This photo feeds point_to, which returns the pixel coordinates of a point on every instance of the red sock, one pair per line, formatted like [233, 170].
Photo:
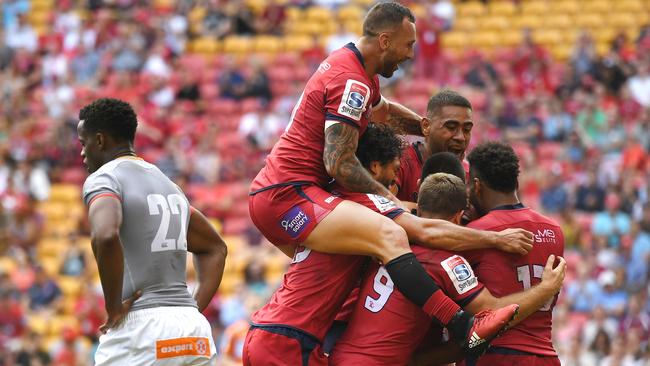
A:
[441, 307]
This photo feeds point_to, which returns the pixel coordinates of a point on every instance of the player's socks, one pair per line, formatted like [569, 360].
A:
[414, 282]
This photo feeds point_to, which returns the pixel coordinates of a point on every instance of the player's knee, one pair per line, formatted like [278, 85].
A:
[393, 241]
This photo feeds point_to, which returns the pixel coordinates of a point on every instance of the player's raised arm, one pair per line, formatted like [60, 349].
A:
[442, 234]
[341, 163]
[210, 253]
[105, 217]
[401, 118]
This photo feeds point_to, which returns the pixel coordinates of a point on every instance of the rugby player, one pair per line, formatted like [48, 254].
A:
[142, 227]
[386, 328]
[494, 169]
[290, 206]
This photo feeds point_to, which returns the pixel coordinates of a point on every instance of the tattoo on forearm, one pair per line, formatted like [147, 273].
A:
[341, 162]
[404, 125]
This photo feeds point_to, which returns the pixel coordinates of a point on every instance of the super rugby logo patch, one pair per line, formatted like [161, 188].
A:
[354, 100]
[294, 221]
[460, 273]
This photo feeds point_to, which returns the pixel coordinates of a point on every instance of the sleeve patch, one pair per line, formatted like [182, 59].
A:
[354, 100]
[460, 273]
[383, 204]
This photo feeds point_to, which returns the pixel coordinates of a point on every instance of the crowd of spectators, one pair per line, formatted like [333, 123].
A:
[581, 128]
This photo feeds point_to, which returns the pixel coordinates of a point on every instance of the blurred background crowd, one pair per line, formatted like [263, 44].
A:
[566, 82]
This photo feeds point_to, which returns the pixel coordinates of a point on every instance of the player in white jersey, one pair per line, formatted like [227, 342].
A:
[142, 227]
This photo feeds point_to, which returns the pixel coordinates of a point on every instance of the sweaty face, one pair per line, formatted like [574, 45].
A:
[89, 149]
[401, 47]
[386, 174]
[450, 130]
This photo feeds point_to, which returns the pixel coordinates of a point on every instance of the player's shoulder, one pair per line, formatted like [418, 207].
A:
[543, 219]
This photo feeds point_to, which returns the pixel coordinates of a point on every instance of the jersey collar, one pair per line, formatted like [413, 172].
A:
[350, 46]
[516, 206]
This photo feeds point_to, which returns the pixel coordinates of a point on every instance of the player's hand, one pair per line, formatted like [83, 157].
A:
[115, 319]
[517, 241]
[552, 278]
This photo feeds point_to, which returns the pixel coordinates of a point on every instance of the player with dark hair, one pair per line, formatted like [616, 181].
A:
[443, 162]
[142, 227]
[494, 169]
[446, 128]
[385, 328]
[289, 205]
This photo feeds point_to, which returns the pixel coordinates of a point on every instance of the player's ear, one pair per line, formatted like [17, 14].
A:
[101, 140]
[425, 125]
[419, 182]
[384, 41]
[374, 168]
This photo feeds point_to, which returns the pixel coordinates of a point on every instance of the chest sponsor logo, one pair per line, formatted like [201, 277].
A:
[382, 203]
[460, 273]
[187, 346]
[324, 66]
[545, 236]
[294, 221]
[354, 99]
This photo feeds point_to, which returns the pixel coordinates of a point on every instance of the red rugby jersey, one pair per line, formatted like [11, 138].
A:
[410, 170]
[339, 90]
[504, 274]
[317, 284]
[385, 327]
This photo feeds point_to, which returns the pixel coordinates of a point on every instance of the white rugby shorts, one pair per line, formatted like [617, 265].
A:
[162, 336]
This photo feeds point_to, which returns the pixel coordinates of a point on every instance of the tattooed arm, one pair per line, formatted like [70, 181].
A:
[342, 164]
[401, 118]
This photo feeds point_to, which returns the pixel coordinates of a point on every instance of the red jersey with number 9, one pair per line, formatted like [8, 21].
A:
[385, 327]
[340, 91]
[504, 274]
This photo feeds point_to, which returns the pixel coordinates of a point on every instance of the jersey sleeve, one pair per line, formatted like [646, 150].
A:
[101, 184]
[454, 275]
[346, 99]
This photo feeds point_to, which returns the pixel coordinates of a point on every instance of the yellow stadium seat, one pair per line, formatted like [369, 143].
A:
[534, 7]
[495, 22]
[294, 13]
[589, 20]
[54, 210]
[548, 37]
[455, 39]
[37, 323]
[596, 6]
[267, 44]
[502, 8]
[466, 23]
[511, 37]
[562, 52]
[256, 6]
[52, 247]
[350, 12]
[38, 5]
[485, 40]
[319, 14]
[558, 21]
[7, 264]
[296, 42]
[354, 26]
[622, 20]
[237, 44]
[604, 34]
[205, 45]
[70, 286]
[527, 21]
[65, 193]
[196, 14]
[565, 7]
[471, 8]
[631, 5]
[163, 4]
[51, 265]
[59, 322]
[602, 48]
[39, 18]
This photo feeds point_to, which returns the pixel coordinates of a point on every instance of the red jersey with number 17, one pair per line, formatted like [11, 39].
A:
[340, 91]
[504, 274]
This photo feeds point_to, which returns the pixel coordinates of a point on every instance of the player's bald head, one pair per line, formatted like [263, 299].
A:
[385, 17]
[442, 195]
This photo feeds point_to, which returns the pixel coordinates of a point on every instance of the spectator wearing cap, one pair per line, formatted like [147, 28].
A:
[612, 223]
[612, 297]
